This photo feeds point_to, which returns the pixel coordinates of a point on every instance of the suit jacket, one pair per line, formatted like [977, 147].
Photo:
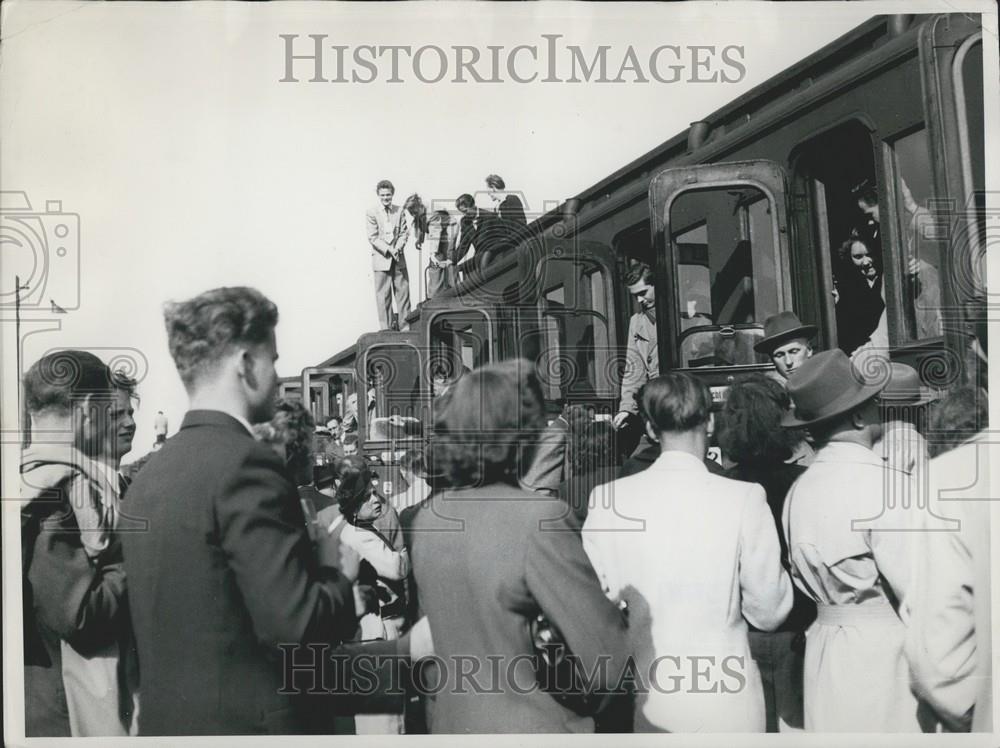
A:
[387, 233]
[512, 209]
[486, 561]
[693, 554]
[547, 466]
[224, 575]
[485, 232]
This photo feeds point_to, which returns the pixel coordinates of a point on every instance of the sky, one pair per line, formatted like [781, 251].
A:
[166, 130]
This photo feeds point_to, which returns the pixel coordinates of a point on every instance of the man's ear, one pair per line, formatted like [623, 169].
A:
[651, 432]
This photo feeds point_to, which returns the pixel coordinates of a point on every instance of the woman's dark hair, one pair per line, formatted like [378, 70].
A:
[355, 485]
[488, 425]
[590, 444]
[956, 417]
[749, 425]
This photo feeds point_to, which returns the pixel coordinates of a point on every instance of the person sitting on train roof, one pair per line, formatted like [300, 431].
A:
[787, 342]
[507, 205]
[859, 301]
[642, 361]
[482, 230]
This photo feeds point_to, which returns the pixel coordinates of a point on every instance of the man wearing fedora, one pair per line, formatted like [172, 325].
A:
[787, 342]
[847, 554]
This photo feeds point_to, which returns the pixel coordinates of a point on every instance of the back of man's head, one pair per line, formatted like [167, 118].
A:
[675, 403]
[58, 379]
[202, 330]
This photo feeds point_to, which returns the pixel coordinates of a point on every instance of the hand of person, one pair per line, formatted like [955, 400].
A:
[350, 562]
[619, 419]
[421, 643]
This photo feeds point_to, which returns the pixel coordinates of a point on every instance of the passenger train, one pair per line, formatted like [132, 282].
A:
[741, 216]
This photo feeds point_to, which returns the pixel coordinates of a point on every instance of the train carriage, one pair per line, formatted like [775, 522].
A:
[741, 216]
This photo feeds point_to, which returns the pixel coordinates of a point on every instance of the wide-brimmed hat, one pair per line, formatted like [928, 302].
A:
[826, 386]
[905, 387]
[780, 328]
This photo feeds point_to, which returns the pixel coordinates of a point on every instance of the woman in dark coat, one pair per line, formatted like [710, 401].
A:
[489, 558]
[751, 436]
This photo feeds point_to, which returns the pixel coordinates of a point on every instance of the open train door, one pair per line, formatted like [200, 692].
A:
[722, 265]
[327, 391]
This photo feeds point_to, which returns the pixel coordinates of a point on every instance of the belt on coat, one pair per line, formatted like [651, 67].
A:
[846, 614]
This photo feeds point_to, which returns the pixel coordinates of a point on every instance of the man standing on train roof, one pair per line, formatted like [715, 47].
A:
[387, 235]
[787, 342]
[642, 357]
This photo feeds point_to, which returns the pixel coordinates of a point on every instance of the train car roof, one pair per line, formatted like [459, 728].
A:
[858, 40]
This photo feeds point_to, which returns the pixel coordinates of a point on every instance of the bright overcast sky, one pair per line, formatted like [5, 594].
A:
[165, 128]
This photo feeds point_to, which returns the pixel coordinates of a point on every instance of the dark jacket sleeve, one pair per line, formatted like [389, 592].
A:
[290, 598]
[562, 581]
[82, 600]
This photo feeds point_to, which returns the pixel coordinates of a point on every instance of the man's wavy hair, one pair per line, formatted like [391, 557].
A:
[674, 402]
[203, 329]
[749, 425]
[488, 425]
[58, 378]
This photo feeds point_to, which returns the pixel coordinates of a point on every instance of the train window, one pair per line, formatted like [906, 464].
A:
[570, 344]
[393, 393]
[460, 341]
[727, 274]
[918, 260]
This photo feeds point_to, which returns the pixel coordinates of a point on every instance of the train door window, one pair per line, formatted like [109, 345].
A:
[837, 171]
[393, 392]
[571, 344]
[635, 243]
[918, 259]
[460, 341]
[728, 274]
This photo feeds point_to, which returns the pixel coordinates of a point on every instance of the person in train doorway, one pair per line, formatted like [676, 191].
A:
[787, 342]
[388, 231]
[642, 358]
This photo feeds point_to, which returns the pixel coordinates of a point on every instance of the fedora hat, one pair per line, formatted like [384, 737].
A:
[905, 388]
[780, 328]
[826, 386]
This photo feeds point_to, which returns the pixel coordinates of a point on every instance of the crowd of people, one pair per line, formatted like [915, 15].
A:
[488, 234]
[517, 579]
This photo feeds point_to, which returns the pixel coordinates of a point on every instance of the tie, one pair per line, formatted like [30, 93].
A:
[123, 484]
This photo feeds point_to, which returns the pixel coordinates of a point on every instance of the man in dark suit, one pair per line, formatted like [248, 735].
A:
[224, 586]
[508, 205]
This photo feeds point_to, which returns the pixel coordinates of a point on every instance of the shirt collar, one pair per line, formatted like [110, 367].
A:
[675, 459]
[848, 452]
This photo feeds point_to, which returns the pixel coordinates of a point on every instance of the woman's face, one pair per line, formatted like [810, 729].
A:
[371, 508]
[862, 260]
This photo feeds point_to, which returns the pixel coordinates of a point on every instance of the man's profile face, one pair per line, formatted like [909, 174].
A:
[468, 209]
[789, 357]
[869, 209]
[385, 196]
[644, 293]
[109, 426]
[261, 379]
